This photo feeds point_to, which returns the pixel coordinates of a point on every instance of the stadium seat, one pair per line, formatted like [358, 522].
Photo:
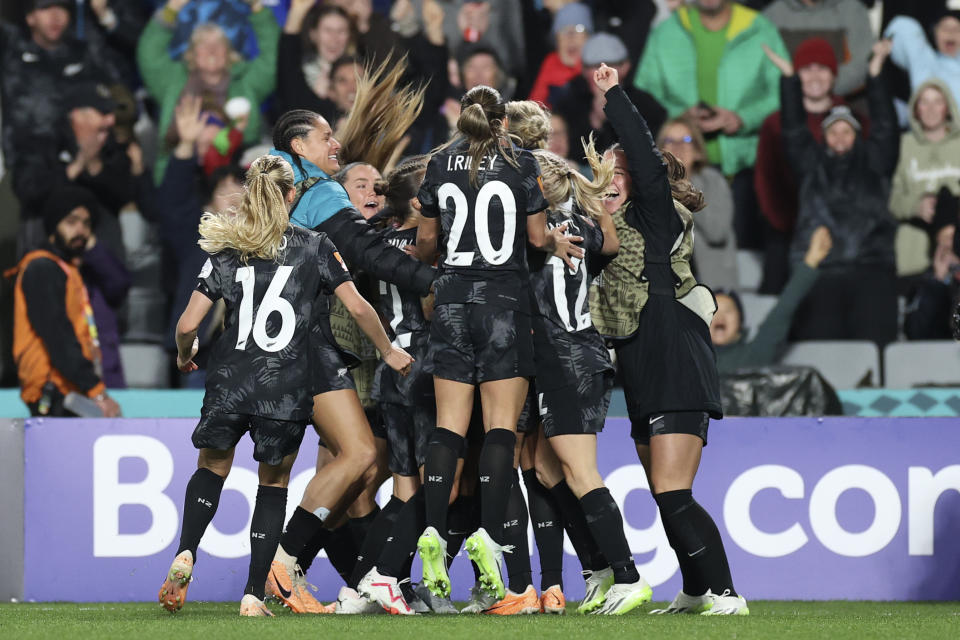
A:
[846, 364]
[921, 364]
[755, 309]
[145, 366]
[749, 269]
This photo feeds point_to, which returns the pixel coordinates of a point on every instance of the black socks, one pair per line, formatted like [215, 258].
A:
[575, 524]
[547, 531]
[401, 544]
[514, 532]
[694, 536]
[360, 526]
[310, 550]
[302, 527]
[375, 536]
[199, 506]
[606, 525]
[440, 467]
[265, 529]
[342, 551]
[462, 520]
[496, 477]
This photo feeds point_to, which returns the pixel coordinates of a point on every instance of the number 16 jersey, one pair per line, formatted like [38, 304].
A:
[260, 363]
[484, 226]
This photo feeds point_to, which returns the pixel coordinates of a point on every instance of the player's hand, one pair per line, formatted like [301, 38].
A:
[108, 406]
[820, 245]
[564, 247]
[398, 360]
[606, 78]
[785, 66]
[186, 365]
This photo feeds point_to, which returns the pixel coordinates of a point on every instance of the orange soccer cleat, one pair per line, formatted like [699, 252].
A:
[173, 593]
[290, 588]
[553, 601]
[516, 603]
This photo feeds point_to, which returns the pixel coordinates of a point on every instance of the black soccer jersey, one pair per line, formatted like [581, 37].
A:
[401, 307]
[260, 363]
[566, 343]
[484, 226]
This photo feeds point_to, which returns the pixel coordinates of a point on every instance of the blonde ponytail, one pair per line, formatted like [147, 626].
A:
[560, 182]
[256, 228]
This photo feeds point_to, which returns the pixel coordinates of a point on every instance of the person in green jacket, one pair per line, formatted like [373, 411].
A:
[706, 61]
[733, 349]
[210, 68]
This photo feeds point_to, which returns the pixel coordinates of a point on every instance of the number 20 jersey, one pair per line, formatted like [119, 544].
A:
[259, 365]
[484, 226]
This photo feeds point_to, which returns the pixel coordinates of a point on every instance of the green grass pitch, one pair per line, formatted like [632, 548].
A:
[215, 621]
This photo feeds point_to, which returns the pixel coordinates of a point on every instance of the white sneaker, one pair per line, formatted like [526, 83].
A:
[684, 603]
[623, 598]
[480, 600]
[726, 605]
[349, 602]
[385, 591]
[597, 584]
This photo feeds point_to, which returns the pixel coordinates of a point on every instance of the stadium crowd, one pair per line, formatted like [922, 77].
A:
[790, 115]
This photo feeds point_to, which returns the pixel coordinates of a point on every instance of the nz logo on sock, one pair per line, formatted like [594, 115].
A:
[510, 523]
[258, 536]
[434, 478]
[484, 478]
[545, 524]
[205, 503]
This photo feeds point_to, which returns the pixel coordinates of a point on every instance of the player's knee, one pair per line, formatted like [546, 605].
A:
[363, 457]
[582, 480]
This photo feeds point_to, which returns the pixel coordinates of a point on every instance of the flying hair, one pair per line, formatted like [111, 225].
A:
[255, 229]
[560, 182]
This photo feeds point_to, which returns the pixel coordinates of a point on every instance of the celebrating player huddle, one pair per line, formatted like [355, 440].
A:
[495, 358]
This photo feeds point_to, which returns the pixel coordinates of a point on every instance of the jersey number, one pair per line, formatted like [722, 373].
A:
[272, 302]
[576, 320]
[481, 223]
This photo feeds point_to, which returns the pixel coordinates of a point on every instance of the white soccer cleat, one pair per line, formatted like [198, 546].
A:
[349, 602]
[624, 598]
[684, 603]
[727, 605]
[252, 607]
[597, 583]
[385, 591]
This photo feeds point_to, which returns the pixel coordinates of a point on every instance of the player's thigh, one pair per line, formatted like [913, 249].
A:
[674, 460]
[274, 440]
[454, 404]
[276, 475]
[502, 402]
[342, 423]
[215, 435]
[451, 350]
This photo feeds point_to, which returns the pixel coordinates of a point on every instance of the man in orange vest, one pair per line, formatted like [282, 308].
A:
[55, 341]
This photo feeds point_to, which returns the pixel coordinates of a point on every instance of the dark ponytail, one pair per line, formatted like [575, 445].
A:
[481, 123]
[401, 185]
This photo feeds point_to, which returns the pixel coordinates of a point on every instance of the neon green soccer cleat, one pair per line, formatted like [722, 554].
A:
[488, 556]
[597, 584]
[433, 554]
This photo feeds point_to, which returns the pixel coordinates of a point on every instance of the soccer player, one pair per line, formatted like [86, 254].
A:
[269, 273]
[649, 300]
[485, 192]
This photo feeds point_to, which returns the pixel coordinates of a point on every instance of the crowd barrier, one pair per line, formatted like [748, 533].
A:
[835, 508]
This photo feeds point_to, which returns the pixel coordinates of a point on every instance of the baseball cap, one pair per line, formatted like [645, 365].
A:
[89, 94]
[603, 47]
[33, 5]
[573, 15]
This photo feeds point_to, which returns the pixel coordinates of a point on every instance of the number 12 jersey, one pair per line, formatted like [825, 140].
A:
[260, 363]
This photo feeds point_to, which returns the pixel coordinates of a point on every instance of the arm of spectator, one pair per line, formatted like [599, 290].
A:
[291, 83]
[44, 290]
[772, 333]
[883, 143]
[157, 68]
[109, 272]
[911, 49]
[121, 21]
[801, 148]
[859, 38]
[260, 75]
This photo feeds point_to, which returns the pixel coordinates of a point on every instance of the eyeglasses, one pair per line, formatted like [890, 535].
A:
[683, 140]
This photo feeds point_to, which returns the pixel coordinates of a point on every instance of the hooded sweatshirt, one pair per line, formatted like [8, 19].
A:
[923, 169]
[913, 52]
[843, 23]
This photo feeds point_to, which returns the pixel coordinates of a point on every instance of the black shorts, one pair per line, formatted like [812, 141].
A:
[375, 419]
[474, 343]
[694, 423]
[529, 419]
[575, 410]
[273, 440]
[328, 371]
[408, 429]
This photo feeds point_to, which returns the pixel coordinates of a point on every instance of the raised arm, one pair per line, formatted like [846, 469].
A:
[799, 144]
[157, 68]
[883, 144]
[260, 75]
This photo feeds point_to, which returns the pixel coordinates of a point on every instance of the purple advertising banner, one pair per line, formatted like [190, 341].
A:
[836, 508]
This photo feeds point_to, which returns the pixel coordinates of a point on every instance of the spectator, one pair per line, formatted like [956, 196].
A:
[55, 337]
[581, 103]
[845, 24]
[479, 65]
[715, 251]
[210, 68]
[112, 28]
[629, 21]
[572, 25]
[343, 87]
[913, 52]
[705, 60]
[775, 183]
[929, 160]
[182, 197]
[728, 329]
[558, 141]
[84, 152]
[38, 64]
[375, 38]
[845, 186]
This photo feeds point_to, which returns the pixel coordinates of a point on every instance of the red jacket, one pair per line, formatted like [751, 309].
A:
[553, 73]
